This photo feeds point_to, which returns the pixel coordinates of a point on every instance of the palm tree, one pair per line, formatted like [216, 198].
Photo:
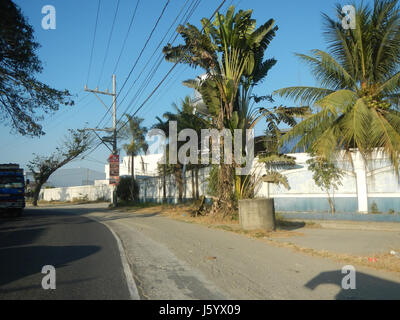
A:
[357, 102]
[162, 169]
[136, 133]
[272, 157]
[228, 49]
[186, 118]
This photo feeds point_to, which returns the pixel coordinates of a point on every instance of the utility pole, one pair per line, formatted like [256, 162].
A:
[114, 115]
[114, 158]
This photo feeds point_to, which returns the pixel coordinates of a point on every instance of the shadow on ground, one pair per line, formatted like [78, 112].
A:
[29, 260]
[21, 257]
[289, 225]
[367, 287]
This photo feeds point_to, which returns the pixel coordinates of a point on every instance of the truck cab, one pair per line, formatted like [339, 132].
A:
[12, 189]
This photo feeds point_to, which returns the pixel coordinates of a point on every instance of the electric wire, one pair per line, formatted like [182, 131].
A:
[158, 85]
[164, 78]
[108, 43]
[158, 62]
[126, 36]
[94, 38]
[137, 60]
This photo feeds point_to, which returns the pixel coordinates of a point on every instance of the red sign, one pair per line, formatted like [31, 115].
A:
[113, 161]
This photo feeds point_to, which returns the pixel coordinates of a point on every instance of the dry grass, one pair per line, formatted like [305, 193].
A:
[184, 213]
[378, 261]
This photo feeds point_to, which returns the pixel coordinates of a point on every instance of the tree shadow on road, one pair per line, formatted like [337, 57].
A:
[20, 258]
[68, 212]
[367, 287]
[29, 260]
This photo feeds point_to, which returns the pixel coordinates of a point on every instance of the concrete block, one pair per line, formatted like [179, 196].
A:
[257, 214]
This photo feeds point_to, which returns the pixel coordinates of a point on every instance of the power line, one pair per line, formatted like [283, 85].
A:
[126, 36]
[138, 58]
[94, 37]
[108, 44]
[144, 47]
[186, 17]
[166, 76]
[159, 84]
[158, 62]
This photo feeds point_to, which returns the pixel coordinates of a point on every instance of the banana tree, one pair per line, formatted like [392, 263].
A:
[228, 49]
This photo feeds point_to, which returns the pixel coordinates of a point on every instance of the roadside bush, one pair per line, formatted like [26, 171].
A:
[124, 189]
[374, 208]
[212, 185]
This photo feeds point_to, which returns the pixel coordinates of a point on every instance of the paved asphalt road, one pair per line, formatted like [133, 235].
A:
[169, 259]
[84, 253]
[176, 260]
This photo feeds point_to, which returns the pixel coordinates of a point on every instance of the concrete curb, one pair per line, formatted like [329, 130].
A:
[133, 291]
[127, 268]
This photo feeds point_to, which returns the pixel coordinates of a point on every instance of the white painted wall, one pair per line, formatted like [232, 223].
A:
[376, 178]
[92, 193]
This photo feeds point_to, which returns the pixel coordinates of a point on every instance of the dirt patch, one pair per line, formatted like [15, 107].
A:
[379, 261]
[285, 229]
[184, 213]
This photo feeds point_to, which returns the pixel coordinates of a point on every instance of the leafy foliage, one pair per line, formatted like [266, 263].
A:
[231, 51]
[357, 103]
[326, 175]
[186, 118]
[136, 133]
[77, 142]
[124, 189]
[23, 99]
[273, 162]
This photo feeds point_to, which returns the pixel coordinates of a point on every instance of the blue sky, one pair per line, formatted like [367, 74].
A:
[65, 53]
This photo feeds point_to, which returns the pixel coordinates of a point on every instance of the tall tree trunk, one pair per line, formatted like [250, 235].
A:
[36, 193]
[179, 181]
[164, 183]
[224, 204]
[331, 203]
[132, 177]
[197, 182]
[193, 185]
[238, 187]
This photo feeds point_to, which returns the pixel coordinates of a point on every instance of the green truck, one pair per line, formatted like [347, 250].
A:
[12, 189]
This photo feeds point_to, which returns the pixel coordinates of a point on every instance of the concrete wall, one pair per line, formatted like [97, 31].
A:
[363, 184]
[92, 193]
[151, 188]
[368, 183]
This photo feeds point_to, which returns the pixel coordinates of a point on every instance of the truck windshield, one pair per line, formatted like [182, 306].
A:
[11, 182]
